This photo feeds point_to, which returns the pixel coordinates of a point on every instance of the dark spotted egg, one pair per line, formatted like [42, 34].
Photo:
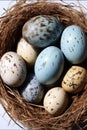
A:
[42, 30]
[74, 44]
[75, 79]
[49, 65]
[33, 91]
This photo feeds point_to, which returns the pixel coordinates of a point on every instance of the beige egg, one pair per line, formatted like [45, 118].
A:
[28, 52]
[55, 101]
[75, 79]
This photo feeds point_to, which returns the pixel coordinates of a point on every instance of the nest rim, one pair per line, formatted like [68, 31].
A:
[31, 118]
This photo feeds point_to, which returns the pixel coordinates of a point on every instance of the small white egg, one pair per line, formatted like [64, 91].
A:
[55, 101]
[12, 69]
[25, 50]
[75, 79]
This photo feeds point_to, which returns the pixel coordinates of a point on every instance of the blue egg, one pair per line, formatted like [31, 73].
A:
[49, 65]
[33, 91]
[42, 30]
[74, 44]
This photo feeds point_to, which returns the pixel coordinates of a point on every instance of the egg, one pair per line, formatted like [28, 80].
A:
[12, 69]
[49, 65]
[55, 101]
[74, 44]
[33, 91]
[42, 30]
[75, 79]
[27, 52]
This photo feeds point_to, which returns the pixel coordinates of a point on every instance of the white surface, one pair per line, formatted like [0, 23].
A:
[5, 122]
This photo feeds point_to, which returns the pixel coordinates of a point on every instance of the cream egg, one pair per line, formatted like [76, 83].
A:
[75, 79]
[12, 69]
[55, 101]
[26, 51]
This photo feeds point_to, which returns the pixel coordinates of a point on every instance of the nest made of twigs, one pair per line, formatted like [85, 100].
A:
[34, 116]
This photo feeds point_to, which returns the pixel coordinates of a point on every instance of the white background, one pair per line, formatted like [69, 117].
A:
[5, 122]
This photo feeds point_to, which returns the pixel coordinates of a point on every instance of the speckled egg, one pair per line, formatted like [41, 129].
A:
[42, 30]
[32, 91]
[75, 79]
[55, 101]
[27, 52]
[74, 44]
[49, 65]
[12, 69]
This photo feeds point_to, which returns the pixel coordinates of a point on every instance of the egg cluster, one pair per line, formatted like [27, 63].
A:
[38, 63]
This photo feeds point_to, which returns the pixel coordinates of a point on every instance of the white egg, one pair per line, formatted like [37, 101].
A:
[55, 101]
[25, 50]
[12, 69]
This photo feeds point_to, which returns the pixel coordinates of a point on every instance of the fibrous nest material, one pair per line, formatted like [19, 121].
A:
[30, 115]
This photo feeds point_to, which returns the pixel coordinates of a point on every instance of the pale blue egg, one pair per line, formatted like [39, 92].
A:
[74, 44]
[42, 30]
[49, 65]
[32, 91]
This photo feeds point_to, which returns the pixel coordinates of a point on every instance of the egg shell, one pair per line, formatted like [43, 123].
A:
[49, 65]
[55, 101]
[42, 30]
[75, 79]
[74, 44]
[33, 91]
[12, 69]
[27, 52]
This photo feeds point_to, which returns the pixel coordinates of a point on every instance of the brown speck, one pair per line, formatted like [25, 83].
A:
[48, 95]
[51, 109]
[13, 72]
[48, 30]
[57, 103]
[42, 24]
[41, 38]
[15, 65]
[64, 82]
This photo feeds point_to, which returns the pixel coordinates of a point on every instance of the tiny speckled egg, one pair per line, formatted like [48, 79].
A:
[49, 65]
[75, 79]
[74, 44]
[26, 51]
[55, 101]
[32, 90]
[12, 69]
[42, 30]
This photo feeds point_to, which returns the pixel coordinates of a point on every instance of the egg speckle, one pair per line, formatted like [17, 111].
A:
[42, 30]
[55, 101]
[49, 65]
[74, 44]
[12, 69]
[75, 79]
[32, 91]
[26, 51]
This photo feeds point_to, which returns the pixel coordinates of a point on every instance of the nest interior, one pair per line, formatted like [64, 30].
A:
[34, 116]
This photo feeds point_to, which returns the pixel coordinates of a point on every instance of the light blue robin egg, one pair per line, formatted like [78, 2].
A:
[32, 91]
[74, 44]
[42, 30]
[49, 65]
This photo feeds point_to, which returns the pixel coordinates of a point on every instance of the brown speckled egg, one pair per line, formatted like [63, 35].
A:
[12, 69]
[42, 30]
[75, 79]
[55, 101]
[26, 51]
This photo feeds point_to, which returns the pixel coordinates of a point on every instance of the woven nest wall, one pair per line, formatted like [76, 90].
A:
[34, 116]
